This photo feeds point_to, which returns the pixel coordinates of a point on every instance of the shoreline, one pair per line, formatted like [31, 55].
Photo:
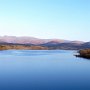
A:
[85, 53]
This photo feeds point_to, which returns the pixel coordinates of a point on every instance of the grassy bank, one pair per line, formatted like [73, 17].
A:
[22, 47]
[84, 53]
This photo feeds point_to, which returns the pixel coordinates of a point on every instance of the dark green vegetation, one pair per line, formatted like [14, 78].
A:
[84, 53]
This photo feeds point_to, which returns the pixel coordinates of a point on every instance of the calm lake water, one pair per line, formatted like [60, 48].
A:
[43, 70]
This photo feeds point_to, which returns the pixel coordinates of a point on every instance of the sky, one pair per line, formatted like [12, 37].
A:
[62, 19]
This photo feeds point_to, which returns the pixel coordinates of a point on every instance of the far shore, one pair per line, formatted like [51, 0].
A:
[33, 47]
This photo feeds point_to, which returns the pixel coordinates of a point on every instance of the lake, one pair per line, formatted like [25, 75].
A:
[43, 70]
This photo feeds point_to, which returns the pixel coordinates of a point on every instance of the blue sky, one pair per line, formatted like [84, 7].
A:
[64, 19]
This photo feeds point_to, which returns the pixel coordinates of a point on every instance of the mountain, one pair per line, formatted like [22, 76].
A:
[66, 45]
[86, 45]
[29, 42]
[19, 40]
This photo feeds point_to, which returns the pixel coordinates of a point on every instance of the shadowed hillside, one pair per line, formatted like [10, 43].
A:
[46, 46]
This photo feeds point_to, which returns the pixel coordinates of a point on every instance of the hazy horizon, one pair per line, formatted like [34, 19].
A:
[42, 38]
[46, 19]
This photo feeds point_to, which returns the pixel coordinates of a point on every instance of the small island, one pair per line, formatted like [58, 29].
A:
[84, 53]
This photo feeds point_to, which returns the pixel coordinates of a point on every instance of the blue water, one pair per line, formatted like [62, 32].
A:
[43, 70]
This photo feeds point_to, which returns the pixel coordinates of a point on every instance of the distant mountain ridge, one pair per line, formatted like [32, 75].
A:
[32, 40]
[44, 43]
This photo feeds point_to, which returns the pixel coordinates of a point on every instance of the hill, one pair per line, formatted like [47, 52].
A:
[13, 42]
